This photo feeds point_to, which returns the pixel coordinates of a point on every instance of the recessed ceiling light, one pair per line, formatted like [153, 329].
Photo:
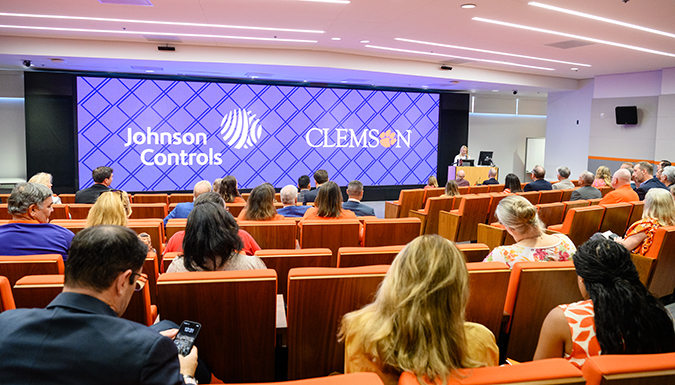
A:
[335, 38]
[365, 41]
[459, 57]
[343, 81]
[149, 70]
[491, 52]
[574, 69]
[156, 33]
[599, 18]
[172, 23]
[495, 90]
[606, 42]
[468, 6]
[425, 87]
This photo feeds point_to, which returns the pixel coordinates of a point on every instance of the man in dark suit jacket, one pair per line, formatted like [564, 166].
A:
[79, 338]
[586, 191]
[103, 177]
[642, 174]
[355, 193]
[538, 182]
[492, 175]
[320, 177]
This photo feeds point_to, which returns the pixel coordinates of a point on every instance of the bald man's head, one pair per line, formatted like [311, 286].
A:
[461, 174]
[620, 178]
[201, 187]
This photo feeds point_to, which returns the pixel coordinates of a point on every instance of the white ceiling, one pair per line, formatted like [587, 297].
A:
[129, 47]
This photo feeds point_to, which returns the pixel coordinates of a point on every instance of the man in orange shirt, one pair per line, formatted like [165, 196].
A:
[622, 191]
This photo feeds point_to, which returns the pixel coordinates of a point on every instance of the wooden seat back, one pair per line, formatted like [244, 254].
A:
[551, 213]
[572, 204]
[181, 197]
[367, 256]
[630, 369]
[432, 193]
[173, 226]
[493, 236]
[532, 196]
[154, 227]
[272, 234]
[331, 234]
[496, 188]
[474, 252]
[488, 283]
[550, 371]
[235, 208]
[79, 210]
[6, 297]
[604, 190]
[66, 198]
[16, 266]
[594, 201]
[663, 244]
[408, 200]
[550, 196]
[582, 222]
[463, 190]
[74, 225]
[616, 218]
[60, 212]
[237, 310]
[151, 198]
[318, 298]
[494, 202]
[644, 266]
[479, 189]
[429, 215]
[4, 214]
[148, 210]
[389, 232]
[534, 289]
[636, 214]
[567, 194]
[461, 226]
[283, 260]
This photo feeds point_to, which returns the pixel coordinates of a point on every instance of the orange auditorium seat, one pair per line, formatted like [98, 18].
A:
[550, 196]
[616, 218]
[567, 194]
[237, 310]
[474, 252]
[488, 283]
[173, 226]
[581, 223]
[493, 236]
[60, 212]
[636, 214]
[74, 225]
[272, 234]
[532, 196]
[407, 200]
[153, 227]
[149, 210]
[630, 369]
[496, 188]
[6, 297]
[4, 214]
[494, 202]
[317, 300]
[389, 232]
[460, 225]
[181, 197]
[572, 204]
[367, 256]
[479, 189]
[282, 261]
[663, 244]
[363, 378]
[151, 198]
[79, 210]
[432, 193]
[15, 267]
[429, 215]
[331, 234]
[551, 213]
[235, 208]
[65, 198]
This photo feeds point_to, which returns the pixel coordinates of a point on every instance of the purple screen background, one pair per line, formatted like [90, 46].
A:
[108, 107]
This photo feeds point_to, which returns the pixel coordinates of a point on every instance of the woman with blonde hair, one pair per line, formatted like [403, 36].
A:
[659, 210]
[519, 218]
[416, 322]
[260, 204]
[603, 177]
[328, 204]
[432, 182]
[451, 189]
[45, 179]
[111, 208]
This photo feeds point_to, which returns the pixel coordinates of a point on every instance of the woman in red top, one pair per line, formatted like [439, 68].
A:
[328, 204]
[229, 190]
[260, 205]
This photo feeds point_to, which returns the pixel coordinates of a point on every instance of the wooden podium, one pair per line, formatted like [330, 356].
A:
[475, 175]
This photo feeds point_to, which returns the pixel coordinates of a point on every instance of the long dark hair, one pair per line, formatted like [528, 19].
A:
[228, 189]
[211, 237]
[329, 200]
[512, 182]
[260, 204]
[628, 319]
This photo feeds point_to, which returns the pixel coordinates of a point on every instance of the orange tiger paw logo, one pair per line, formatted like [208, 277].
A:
[387, 138]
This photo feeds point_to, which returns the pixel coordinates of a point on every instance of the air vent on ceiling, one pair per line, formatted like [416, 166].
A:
[146, 3]
[162, 39]
[570, 44]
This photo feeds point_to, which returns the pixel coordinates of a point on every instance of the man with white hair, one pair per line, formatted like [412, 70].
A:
[564, 182]
[461, 182]
[29, 232]
[668, 176]
[289, 198]
[622, 191]
[586, 191]
[182, 210]
[355, 193]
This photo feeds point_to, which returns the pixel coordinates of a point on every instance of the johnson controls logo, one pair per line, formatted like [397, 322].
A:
[240, 128]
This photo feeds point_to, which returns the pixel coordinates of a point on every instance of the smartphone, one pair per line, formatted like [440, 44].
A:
[186, 336]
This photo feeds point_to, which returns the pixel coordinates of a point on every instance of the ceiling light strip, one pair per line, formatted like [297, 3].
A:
[491, 52]
[458, 57]
[157, 22]
[155, 33]
[599, 18]
[525, 27]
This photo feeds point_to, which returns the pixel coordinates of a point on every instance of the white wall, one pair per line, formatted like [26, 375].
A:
[568, 126]
[12, 126]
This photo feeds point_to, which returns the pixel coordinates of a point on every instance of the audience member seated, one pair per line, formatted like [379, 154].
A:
[328, 204]
[45, 179]
[451, 189]
[182, 210]
[103, 177]
[432, 182]
[320, 177]
[355, 193]
[659, 168]
[586, 191]
[260, 205]
[538, 182]
[642, 175]
[416, 322]
[111, 208]
[659, 211]
[462, 156]
[668, 176]
[629, 166]
[603, 177]
[563, 181]
[29, 232]
[622, 191]
[303, 185]
[512, 184]
[175, 244]
[216, 185]
[459, 178]
[289, 198]
[211, 243]
[492, 177]
[79, 338]
[229, 190]
[617, 316]
[519, 218]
